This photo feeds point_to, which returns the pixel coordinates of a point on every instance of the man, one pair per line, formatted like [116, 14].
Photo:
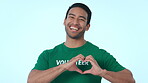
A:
[77, 60]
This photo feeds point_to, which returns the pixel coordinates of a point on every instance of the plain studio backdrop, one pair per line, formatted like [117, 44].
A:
[28, 27]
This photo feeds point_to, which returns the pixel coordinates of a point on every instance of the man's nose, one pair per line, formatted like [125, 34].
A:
[76, 21]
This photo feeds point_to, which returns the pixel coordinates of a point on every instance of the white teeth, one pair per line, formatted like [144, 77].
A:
[74, 28]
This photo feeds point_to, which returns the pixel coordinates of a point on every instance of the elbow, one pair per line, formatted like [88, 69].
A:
[131, 78]
[132, 81]
[36, 81]
[30, 81]
[126, 81]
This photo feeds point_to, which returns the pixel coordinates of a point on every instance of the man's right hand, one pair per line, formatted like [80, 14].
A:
[71, 65]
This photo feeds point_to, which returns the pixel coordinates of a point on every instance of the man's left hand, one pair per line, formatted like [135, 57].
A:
[96, 69]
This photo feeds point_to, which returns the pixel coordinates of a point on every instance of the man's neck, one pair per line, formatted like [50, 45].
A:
[74, 43]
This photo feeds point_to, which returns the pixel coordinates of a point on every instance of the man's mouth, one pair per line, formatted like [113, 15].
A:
[74, 28]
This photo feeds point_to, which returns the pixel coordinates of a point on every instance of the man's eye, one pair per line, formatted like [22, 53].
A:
[82, 20]
[71, 17]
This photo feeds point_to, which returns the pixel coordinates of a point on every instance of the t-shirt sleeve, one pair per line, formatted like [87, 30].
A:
[111, 64]
[42, 62]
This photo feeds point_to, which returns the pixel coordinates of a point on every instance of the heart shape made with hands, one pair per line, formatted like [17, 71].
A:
[83, 66]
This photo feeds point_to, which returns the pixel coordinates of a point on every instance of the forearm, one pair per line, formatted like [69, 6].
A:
[48, 75]
[124, 76]
[45, 76]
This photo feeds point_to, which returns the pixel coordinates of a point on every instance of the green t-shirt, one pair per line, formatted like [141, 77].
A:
[62, 54]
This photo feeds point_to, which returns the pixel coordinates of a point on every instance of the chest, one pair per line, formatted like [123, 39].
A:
[61, 57]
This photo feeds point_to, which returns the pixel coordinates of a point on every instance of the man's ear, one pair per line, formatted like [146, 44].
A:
[64, 21]
[87, 27]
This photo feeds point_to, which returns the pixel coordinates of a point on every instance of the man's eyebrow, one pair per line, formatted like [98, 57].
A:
[82, 17]
[72, 14]
[79, 16]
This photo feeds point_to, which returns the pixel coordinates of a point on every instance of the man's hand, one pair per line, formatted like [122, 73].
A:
[96, 69]
[71, 65]
[124, 76]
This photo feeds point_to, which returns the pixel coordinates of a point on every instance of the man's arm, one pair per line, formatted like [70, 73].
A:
[124, 76]
[46, 76]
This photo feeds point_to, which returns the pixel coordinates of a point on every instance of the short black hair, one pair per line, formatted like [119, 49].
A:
[83, 6]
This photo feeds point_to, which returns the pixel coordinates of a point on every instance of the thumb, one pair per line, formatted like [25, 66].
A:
[86, 72]
[80, 71]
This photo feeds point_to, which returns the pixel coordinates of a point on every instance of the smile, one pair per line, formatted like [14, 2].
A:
[74, 28]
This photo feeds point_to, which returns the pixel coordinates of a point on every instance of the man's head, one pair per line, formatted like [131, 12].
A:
[84, 7]
[77, 20]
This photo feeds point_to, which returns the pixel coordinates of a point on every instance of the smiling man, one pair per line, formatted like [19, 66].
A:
[77, 60]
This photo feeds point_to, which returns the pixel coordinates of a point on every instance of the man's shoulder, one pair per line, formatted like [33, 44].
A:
[96, 48]
[92, 45]
[54, 48]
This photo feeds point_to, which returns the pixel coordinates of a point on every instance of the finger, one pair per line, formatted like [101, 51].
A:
[90, 57]
[93, 63]
[86, 72]
[74, 60]
[78, 70]
[77, 58]
[80, 56]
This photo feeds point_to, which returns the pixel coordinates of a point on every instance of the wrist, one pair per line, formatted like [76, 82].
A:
[62, 67]
[103, 72]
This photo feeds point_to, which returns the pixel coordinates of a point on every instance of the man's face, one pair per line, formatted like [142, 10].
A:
[76, 23]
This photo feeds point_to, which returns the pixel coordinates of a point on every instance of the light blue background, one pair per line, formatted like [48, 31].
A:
[27, 27]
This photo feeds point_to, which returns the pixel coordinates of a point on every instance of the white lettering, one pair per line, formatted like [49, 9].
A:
[59, 62]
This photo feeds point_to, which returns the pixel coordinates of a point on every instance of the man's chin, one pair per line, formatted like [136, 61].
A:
[74, 37]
